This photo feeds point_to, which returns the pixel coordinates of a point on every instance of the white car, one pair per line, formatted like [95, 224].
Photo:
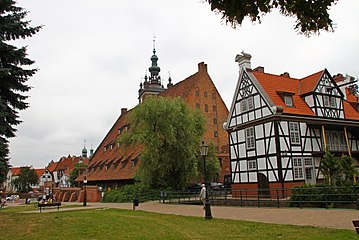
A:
[12, 198]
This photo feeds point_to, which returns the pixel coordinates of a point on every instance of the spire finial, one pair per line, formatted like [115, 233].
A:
[154, 43]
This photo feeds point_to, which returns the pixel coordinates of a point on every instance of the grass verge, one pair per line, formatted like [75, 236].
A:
[125, 224]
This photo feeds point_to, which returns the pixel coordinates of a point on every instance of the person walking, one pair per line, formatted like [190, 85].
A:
[202, 195]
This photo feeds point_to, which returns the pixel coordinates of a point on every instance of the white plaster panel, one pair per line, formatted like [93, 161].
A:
[289, 176]
[238, 107]
[241, 135]
[245, 118]
[243, 165]
[242, 150]
[303, 128]
[316, 146]
[239, 120]
[267, 129]
[273, 161]
[232, 122]
[308, 145]
[285, 162]
[260, 147]
[266, 112]
[284, 126]
[233, 153]
[257, 101]
[282, 142]
[271, 176]
[261, 163]
[252, 177]
[234, 137]
[251, 153]
[259, 131]
[296, 148]
[251, 116]
[258, 114]
[244, 177]
[272, 148]
[236, 178]
[234, 166]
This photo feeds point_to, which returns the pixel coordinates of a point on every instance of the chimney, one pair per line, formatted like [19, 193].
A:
[202, 67]
[259, 69]
[285, 74]
[123, 110]
[244, 60]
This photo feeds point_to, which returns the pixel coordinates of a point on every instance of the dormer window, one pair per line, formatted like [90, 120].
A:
[288, 100]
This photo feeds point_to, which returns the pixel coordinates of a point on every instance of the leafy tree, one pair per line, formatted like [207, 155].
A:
[347, 170]
[27, 177]
[212, 165]
[330, 168]
[78, 169]
[311, 16]
[12, 74]
[170, 134]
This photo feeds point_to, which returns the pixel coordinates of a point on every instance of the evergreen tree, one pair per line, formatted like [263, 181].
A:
[312, 16]
[330, 168]
[12, 74]
[347, 170]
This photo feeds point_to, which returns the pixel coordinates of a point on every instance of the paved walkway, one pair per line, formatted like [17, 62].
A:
[327, 218]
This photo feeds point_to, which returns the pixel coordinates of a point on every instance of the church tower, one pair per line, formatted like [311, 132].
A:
[152, 84]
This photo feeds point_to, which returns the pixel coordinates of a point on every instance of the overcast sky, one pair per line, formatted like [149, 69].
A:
[92, 55]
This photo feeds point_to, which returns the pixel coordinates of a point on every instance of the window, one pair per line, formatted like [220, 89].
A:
[215, 134]
[329, 101]
[343, 142]
[298, 168]
[250, 137]
[247, 104]
[197, 106]
[288, 100]
[197, 93]
[206, 108]
[214, 120]
[213, 95]
[214, 108]
[252, 165]
[294, 133]
[205, 94]
[334, 141]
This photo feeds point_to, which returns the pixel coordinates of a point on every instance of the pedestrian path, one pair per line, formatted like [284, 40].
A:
[327, 218]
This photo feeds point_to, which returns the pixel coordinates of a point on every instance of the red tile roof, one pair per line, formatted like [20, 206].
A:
[40, 172]
[15, 171]
[274, 84]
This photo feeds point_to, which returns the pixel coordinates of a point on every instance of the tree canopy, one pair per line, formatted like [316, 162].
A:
[170, 134]
[27, 177]
[78, 169]
[311, 16]
[12, 74]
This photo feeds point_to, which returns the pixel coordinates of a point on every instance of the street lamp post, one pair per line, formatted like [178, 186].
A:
[207, 206]
[85, 183]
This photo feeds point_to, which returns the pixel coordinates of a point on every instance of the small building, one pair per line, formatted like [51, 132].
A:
[279, 126]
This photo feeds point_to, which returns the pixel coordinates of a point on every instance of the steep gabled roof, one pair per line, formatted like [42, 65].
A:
[52, 166]
[40, 172]
[309, 83]
[15, 171]
[274, 84]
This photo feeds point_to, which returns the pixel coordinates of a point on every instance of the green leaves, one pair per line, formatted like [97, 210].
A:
[170, 133]
[27, 177]
[311, 16]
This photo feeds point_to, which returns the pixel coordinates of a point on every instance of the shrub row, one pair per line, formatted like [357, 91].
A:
[129, 192]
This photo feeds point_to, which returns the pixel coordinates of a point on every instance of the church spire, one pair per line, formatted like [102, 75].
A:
[154, 69]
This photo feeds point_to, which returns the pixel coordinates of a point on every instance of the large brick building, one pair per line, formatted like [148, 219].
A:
[112, 165]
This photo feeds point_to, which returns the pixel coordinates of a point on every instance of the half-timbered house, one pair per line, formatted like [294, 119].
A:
[279, 126]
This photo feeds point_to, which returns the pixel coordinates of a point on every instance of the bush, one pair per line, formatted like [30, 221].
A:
[129, 192]
[323, 196]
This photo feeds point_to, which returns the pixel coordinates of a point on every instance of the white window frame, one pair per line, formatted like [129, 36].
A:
[298, 173]
[252, 165]
[343, 141]
[247, 104]
[294, 132]
[250, 138]
[288, 100]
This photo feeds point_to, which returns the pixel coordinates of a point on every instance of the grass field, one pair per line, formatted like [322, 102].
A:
[126, 224]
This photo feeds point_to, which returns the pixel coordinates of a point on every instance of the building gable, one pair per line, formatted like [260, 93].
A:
[248, 103]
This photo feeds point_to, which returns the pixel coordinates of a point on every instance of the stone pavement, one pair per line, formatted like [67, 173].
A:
[327, 218]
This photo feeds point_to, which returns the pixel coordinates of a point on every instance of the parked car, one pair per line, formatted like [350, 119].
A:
[216, 186]
[12, 198]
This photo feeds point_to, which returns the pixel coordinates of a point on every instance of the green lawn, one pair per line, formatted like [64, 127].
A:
[125, 224]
